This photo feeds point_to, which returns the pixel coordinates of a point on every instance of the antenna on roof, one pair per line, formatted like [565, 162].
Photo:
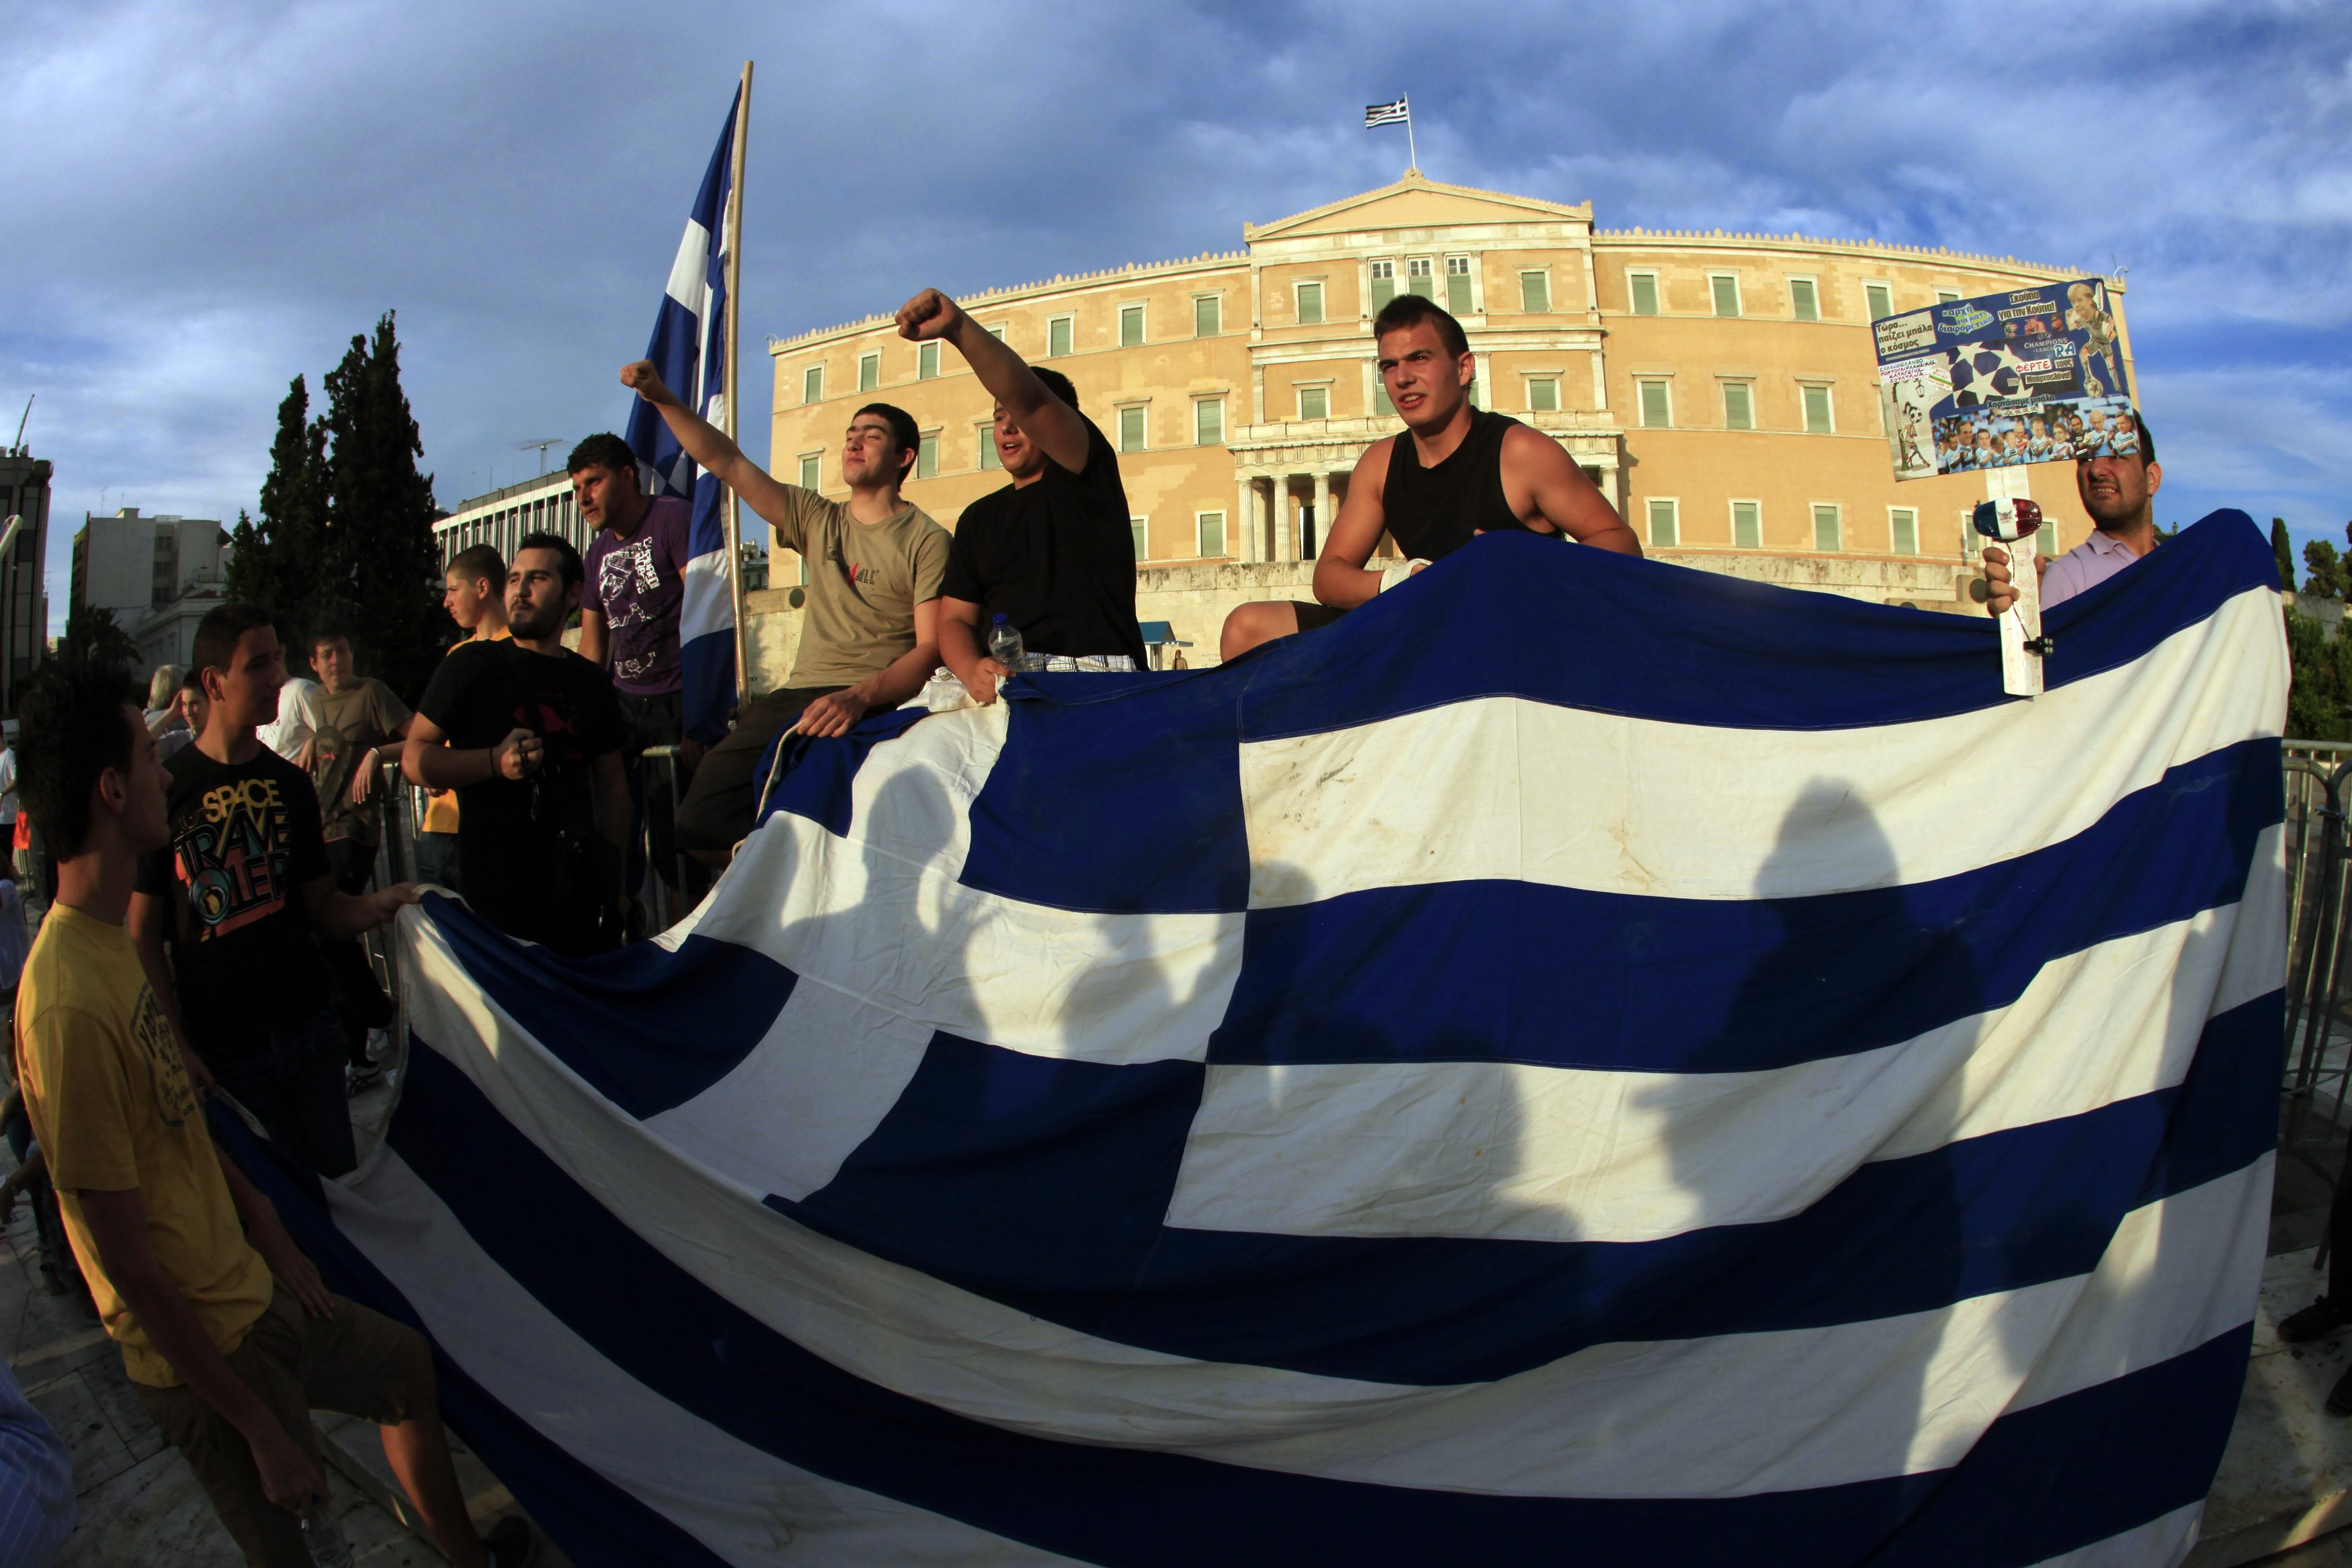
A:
[19, 449]
[542, 446]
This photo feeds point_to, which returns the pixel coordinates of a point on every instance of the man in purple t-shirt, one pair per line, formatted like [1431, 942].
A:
[629, 605]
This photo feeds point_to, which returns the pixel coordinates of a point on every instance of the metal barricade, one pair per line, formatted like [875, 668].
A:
[2313, 1122]
[668, 889]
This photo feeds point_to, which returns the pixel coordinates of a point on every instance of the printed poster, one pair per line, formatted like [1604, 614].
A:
[2033, 375]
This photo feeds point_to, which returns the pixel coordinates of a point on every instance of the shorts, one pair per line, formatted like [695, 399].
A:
[358, 1363]
[1314, 617]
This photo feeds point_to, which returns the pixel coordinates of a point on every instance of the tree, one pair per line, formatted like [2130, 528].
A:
[93, 634]
[2320, 674]
[2324, 571]
[379, 566]
[274, 562]
[2284, 548]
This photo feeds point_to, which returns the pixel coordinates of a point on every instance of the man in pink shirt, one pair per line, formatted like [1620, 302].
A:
[2120, 494]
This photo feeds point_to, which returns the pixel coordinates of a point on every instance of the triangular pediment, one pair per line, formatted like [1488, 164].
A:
[1417, 202]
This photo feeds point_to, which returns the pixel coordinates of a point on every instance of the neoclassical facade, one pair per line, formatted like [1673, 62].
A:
[1721, 389]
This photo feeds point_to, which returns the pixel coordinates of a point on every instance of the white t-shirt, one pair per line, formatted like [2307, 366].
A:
[298, 719]
[8, 786]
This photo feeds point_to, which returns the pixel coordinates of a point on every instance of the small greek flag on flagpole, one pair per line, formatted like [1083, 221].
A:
[689, 349]
[1399, 112]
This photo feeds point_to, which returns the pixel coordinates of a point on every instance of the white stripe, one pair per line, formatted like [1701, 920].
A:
[742, 1502]
[1505, 788]
[687, 272]
[2162, 1543]
[1558, 1431]
[881, 918]
[1545, 1154]
[709, 601]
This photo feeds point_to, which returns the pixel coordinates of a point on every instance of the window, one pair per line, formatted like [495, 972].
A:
[1947, 296]
[1644, 289]
[1130, 427]
[1209, 422]
[1130, 326]
[2046, 542]
[1381, 398]
[1543, 394]
[1383, 283]
[1419, 278]
[1208, 315]
[1310, 304]
[1535, 291]
[1665, 523]
[1817, 411]
[813, 384]
[1739, 406]
[926, 362]
[1314, 402]
[812, 472]
[1747, 523]
[1475, 394]
[1141, 529]
[1804, 299]
[869, 372]
[1826, 531]
[989, 456]
[1458, 285]
[1658, 413]
[927, 456]
[1726, 287]
[997, 331]
[1903, 524]
[1059, 332]
[1880, 297]
[1210, 527]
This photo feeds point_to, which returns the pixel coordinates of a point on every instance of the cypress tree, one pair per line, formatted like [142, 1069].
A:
[380, 568]
[2283, 548]
[273, 560]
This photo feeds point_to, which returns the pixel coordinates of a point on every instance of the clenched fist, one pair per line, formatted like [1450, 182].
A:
[646, 382]
[929, 315]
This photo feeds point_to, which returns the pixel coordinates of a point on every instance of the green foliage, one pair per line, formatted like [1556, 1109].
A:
[2321, 675]
[346, 524]
[2283, 548]
[2324, 571]
[93, 635]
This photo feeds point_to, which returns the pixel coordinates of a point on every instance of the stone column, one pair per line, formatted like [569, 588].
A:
[1322, 517]
[1245, 518]
[1277, 515]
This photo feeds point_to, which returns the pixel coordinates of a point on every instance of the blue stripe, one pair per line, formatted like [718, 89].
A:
[1522, 616]
[1044, 1217]
[1507, 971]
[707, 685]
[596, 1523]
[2141, 1445]
[646, 1028]
[818, 773]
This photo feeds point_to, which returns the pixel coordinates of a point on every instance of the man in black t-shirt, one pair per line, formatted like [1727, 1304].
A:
[533, 750]
[1051, 552]
[238, 898]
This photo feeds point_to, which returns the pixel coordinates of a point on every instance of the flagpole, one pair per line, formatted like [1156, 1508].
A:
[734, 384]
[1409, 147]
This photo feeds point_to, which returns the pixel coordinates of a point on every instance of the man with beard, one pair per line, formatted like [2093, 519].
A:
[2120, 491]
[534, 741]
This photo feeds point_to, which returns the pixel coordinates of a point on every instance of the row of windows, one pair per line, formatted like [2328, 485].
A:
[1208, 535]
[1642, 291]
[1061, 336]
[1747, 525]
[1657, 404]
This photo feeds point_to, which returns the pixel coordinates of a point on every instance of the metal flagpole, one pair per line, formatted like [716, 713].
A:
[1410, 147]
[734, 382]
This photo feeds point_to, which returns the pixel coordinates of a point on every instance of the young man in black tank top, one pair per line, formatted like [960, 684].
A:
[1452, 473]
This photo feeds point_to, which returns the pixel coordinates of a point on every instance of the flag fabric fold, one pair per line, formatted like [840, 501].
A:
[1386, 113]
[1580, 1051]
[688, 346]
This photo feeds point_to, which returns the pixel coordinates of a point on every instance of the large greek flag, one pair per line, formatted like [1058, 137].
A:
[689, 349]
[1583, 1060]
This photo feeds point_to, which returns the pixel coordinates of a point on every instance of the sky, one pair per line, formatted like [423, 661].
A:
[206, 200]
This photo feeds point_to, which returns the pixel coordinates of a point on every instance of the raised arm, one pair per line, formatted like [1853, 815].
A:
[1057, 428]
[1340, 580]
[711, 448]
[1543, 483]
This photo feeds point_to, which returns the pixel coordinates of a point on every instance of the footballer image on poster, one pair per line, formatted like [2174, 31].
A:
[2033, 375]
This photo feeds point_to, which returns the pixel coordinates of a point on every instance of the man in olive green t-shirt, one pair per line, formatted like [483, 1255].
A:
[870, 636]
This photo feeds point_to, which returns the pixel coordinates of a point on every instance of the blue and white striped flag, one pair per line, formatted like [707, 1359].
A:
[689, 349]
[1582, 1056]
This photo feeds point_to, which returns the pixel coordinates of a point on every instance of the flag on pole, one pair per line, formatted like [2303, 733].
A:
[689, 349]
[1388, 113]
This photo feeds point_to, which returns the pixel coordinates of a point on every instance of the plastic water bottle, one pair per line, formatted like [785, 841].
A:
[323, 1538]
[1004, 643]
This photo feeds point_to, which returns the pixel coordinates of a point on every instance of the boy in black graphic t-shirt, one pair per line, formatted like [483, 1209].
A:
[236, 897]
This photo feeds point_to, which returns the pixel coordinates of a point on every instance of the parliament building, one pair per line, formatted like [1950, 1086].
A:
[1721, 389]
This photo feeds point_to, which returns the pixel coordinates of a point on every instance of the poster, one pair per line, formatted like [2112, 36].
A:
[2033, 375]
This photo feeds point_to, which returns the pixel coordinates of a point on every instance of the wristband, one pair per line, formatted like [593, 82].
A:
[1392, 575]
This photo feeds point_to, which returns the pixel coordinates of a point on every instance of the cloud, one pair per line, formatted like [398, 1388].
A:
[228, 192]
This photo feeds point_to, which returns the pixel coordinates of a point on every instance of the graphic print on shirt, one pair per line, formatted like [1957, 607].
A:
[627, 577]
[233, 856]
[855, 571]
[175, 1097]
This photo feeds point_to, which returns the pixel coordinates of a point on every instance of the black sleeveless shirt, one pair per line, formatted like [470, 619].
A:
[1433, 511]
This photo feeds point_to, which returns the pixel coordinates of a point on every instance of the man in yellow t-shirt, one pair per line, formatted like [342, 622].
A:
[227, 1333]
[473, 591]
